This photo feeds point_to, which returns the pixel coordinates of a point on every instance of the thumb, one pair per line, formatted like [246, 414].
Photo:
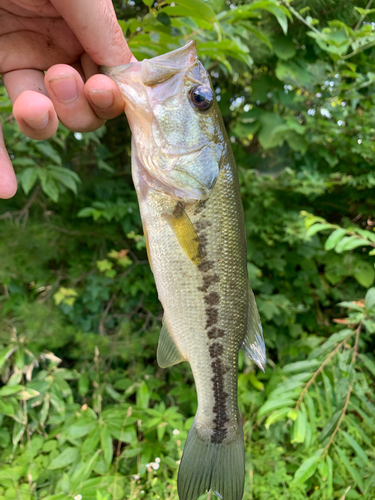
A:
[8, 182]
[95, 25]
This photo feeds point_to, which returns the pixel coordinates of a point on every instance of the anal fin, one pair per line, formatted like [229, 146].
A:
[168, 353]
[185, 233]
[253, 344]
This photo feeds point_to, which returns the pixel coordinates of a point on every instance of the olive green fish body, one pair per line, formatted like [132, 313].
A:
[187, 186]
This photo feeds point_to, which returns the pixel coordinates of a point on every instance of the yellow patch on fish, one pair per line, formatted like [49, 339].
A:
[185, 233]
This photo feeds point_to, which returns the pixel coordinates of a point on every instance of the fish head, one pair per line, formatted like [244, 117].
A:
[176, 124]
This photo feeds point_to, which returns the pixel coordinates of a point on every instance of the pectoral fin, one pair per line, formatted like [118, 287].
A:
[253, 344]
[185, 233]
[168, 354]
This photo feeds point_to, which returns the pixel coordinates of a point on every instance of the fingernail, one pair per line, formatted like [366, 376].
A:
[65, 88]
[39, 122]
[102, 98]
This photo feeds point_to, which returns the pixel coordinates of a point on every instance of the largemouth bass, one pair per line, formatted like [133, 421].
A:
[186, 181]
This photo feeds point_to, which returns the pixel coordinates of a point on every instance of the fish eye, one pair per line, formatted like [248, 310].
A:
[201, 97]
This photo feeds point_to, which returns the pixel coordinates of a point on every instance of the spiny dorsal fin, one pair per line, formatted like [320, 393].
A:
[253, 344]
[168, 353]
[185, 233]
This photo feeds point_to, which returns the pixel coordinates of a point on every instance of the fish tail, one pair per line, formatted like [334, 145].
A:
[207, 465]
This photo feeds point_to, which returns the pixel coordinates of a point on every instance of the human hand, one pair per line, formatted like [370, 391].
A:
[69, 39]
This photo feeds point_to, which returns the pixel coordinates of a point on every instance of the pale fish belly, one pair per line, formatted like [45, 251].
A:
[206, 305]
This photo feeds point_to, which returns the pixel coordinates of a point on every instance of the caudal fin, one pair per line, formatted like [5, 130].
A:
[211, 466]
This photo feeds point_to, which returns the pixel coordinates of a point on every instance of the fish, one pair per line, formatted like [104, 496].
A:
[187, 185]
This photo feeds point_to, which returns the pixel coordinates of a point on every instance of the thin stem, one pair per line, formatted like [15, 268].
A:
[320, 369]
[343, 413]
[357, 51]
[361, 19]
[301, 18]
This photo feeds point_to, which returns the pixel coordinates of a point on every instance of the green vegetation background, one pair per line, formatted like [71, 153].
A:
[85, 412]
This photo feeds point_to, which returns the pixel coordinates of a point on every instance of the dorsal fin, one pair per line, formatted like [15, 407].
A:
[185, 233]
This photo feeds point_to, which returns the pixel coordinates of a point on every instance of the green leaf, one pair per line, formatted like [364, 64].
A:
[6, 354]
[8, 390]
[143, 395]
[316, 228]
[307, 469]
[301, 366]
[46, 149]
[335, 338]
[369, 363]
[106, 445]
[196, 8]
[27, 178]
[354, 242]
[67, 457]
[66, 177]
[83, 384]
[300, 427]
[49, 186]
[355, 474]
[370, 298]
[274, 405]
[334, 238]
[356, 447]
[364, 273]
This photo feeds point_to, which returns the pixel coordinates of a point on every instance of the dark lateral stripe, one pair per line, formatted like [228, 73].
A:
[215, 333]
[212, 299]
[208, 280]
[221, 418]
[216, 350]
[206, 265]
[212, 315]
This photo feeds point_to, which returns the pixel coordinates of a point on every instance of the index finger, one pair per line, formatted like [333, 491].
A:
[95, 25]
[8, 182]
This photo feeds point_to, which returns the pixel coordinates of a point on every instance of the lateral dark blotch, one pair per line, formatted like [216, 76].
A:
[216, 350]
[215, 333]
[208, 281]
[212, 316]
[206, 265]
[212, 299]
[201, 225]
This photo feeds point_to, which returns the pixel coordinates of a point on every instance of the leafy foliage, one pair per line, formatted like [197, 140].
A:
[85, 412]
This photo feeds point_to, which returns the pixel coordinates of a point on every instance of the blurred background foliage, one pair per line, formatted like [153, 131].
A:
[85, 412]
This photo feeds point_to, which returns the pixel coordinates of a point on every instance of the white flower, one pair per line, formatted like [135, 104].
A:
[155, 466]
[78, 497]
[157, 460]
[176, 432]
[136, 477]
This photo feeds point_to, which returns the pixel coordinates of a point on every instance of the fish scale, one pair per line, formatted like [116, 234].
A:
[195, 232]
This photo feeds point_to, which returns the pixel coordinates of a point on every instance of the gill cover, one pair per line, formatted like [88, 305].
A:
[177, 143]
